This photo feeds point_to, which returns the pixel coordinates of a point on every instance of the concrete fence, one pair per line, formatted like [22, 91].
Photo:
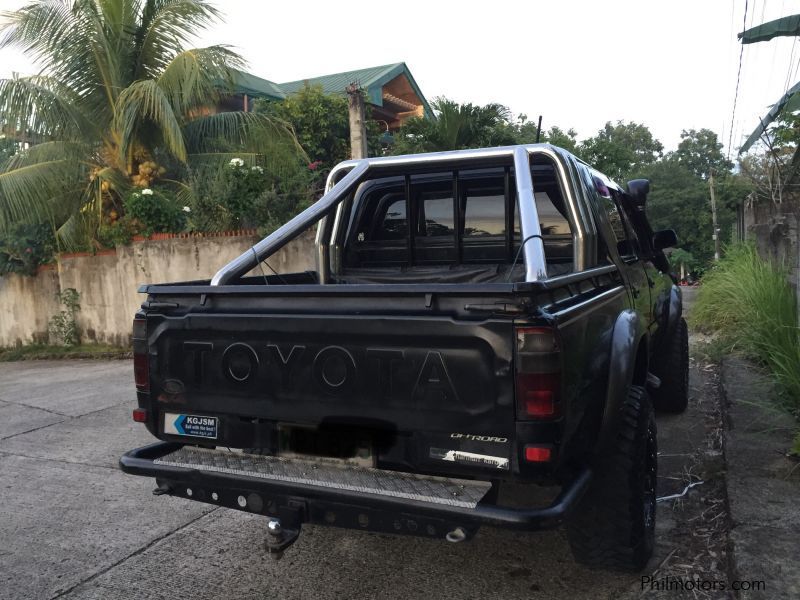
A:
[108, 283]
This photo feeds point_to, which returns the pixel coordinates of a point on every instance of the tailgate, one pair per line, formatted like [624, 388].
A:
[435, 389]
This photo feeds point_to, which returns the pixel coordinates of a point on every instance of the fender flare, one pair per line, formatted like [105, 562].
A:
[626, 337]
[675, 309]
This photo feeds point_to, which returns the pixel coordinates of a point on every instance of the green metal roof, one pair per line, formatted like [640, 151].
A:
[371, 80]
[247, 83]
[785, 26]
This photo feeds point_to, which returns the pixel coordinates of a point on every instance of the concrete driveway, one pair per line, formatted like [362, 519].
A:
[74, 526]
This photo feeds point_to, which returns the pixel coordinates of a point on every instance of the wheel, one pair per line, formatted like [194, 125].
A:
[672, 368]
[613, 527]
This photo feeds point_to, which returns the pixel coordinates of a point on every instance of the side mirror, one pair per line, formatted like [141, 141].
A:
[638, 190]
[666, 238]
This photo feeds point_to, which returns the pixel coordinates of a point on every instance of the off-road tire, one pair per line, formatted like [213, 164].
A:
[672, 367]
[613, 527]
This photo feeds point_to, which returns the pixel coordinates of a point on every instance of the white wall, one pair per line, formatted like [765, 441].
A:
[107, 283]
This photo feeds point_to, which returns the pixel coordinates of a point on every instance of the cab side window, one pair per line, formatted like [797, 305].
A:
[379, 233]
[614, 228]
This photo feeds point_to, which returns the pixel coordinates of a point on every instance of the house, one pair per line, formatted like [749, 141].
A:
[390, 90]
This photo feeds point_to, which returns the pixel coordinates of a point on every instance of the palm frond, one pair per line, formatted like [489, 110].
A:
[196, 77]
[38, 28]
[53, 151]
[166, 27]
[145, 102]
[27, 193]
[72, 234]
[41, 106]
[252, 132]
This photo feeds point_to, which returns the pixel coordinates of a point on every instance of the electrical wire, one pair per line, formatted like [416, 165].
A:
[738, 78]
[791, 65]
[519, 251]
[263, 274]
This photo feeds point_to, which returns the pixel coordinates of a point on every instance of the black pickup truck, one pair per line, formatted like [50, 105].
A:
[479, 321]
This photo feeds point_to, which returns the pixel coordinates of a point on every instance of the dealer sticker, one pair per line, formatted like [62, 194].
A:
[470, 458]
[191, 425]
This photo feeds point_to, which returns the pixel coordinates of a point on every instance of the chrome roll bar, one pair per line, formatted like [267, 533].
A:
[286, 233]
[532, 242]
[337, 191]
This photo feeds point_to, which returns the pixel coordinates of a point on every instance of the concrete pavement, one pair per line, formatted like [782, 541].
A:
[73, 526]
[763, 482]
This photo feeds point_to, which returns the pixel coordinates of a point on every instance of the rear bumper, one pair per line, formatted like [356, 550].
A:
[304, 503]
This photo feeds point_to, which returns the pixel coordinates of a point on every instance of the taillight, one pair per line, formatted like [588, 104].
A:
[140, 415]
[141, 367]
[538, 454]
[538, 373]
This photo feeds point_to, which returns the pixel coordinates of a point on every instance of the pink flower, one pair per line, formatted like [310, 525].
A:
[314, 165]
[28, 250]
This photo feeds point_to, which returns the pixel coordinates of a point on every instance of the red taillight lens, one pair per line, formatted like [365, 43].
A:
[140, 415]
[141, 372]
[538, 373]
[538, 454]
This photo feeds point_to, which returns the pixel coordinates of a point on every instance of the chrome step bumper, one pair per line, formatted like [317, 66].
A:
[436, 490]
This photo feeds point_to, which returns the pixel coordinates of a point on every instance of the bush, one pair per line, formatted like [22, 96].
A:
[63, 327]
[749, 302]
[24, 247]
[117, 233]
[154, 211]
[237, 195]
[242, 185]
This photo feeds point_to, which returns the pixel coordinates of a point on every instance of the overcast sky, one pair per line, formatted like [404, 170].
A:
[670, 65]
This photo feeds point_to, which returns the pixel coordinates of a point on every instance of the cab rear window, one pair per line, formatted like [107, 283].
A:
[464, 217]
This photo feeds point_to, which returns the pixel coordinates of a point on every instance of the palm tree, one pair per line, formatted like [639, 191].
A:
[456, 126]
[118, 101]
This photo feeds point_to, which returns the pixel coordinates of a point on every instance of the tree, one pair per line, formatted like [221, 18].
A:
[564, 139]
[701, 151]
[118, 90]
[680, 200]
[321, 123]
[620, 149]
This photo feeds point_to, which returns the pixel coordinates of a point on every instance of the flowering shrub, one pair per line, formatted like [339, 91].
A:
[238, 195]
[154, 211]
[242, 186]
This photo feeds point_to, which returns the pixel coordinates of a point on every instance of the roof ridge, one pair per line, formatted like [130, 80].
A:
[386, 66]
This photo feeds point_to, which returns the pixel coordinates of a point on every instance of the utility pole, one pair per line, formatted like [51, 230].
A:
[715, 236]
[358, 127]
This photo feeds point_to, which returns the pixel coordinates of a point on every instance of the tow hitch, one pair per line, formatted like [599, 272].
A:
[279, 538]
[283, 530]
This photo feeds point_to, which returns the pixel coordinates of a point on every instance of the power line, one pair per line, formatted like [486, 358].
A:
[738, 77]
[791, 65]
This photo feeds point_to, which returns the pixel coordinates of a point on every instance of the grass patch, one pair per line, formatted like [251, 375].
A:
[747, 302]
[45, 351]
